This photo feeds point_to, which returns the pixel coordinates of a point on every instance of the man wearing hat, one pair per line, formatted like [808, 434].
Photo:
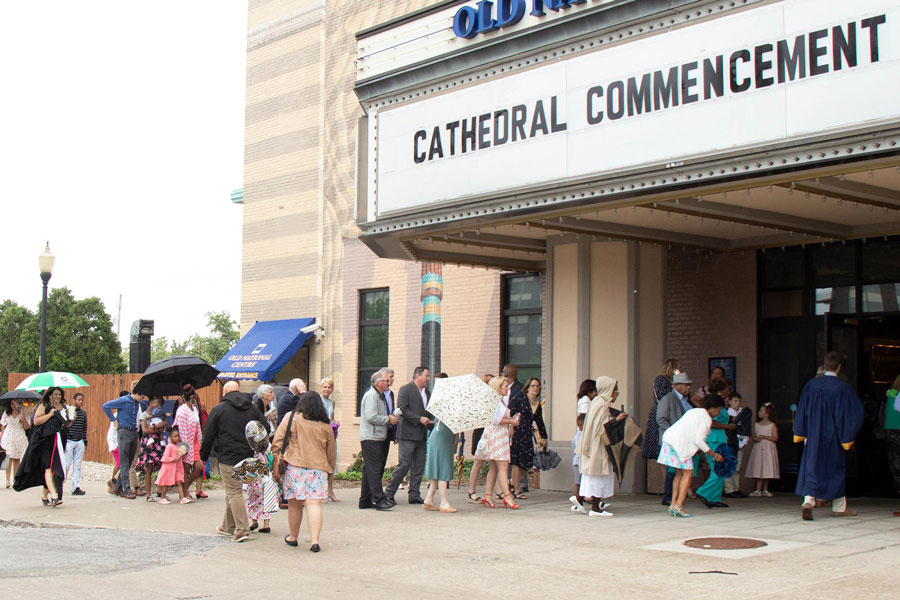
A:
[670, 408]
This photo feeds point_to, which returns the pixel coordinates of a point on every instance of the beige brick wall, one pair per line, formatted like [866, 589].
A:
[301, 257]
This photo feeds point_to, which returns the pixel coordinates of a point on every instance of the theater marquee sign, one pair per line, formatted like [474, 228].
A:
[788, 71]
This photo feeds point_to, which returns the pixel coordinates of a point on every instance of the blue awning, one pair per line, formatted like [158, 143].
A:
[264, 350]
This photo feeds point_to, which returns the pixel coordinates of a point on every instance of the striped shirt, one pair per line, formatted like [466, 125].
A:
[78, 429]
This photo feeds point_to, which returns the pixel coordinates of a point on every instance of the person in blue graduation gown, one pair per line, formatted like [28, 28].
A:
[828, 418]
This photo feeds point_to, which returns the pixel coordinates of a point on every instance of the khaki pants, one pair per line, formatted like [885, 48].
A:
[733, 483]
[236, 520]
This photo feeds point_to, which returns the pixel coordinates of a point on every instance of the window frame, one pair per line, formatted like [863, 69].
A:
[363, 323]
[506, 312]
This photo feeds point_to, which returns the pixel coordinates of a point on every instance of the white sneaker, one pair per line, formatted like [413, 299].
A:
[602, 513]
[604, 505]
[756, 493]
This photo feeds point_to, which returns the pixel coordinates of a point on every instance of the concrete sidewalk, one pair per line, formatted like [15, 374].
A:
[540, 551]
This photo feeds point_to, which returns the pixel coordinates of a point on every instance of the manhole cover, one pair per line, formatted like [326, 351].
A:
[720, 543]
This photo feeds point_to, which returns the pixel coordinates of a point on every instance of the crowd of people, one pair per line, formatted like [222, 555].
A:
[685, 423]
[691, 431]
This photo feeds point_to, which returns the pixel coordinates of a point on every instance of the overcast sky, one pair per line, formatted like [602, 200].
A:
[121, 139]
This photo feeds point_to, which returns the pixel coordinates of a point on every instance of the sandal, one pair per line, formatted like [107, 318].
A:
[511, 504]
[201, 494]
[55, 502]
[520, 496]
[151, 499]
[45, 501]
[333, 498]
[473, 498]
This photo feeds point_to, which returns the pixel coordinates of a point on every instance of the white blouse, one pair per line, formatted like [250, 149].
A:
[688, 434]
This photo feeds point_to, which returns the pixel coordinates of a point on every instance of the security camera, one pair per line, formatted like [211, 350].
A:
[314, 328]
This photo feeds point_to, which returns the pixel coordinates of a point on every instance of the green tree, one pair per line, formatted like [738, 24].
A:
[223, 336]
[13, 320]
[80, 337]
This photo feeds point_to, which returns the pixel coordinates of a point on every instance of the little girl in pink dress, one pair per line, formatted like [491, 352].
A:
[171, 473]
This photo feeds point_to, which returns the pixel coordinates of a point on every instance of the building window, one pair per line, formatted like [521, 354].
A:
[521, 326]
[374, 308]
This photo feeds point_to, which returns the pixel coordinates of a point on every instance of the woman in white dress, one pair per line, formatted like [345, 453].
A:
[13, 440]
[597, 476]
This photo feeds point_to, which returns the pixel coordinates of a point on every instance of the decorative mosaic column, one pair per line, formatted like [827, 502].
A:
[432, 293]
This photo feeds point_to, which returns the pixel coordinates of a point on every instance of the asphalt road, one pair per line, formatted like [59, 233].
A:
[54, 551]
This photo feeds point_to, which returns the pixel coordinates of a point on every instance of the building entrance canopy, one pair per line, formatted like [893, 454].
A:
[702, 127]
[264, 350]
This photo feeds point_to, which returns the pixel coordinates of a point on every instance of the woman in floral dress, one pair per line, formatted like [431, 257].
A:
[305, 478]
[494, 446]
[152, 448]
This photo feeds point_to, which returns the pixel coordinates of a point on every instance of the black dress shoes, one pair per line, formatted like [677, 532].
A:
[366, 505]
[705, 502]
[716, 505]
[390, 500]
[384, 505]
[417, 501]
[738, 494]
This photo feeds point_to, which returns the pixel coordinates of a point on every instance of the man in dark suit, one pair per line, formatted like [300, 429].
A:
[516, 389]
[412, 400]
[289, 402]
[511, 372]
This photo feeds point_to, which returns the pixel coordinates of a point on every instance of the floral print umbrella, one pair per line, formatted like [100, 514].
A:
[463, 402]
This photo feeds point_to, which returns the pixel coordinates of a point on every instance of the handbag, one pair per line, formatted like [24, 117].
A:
[280, 463]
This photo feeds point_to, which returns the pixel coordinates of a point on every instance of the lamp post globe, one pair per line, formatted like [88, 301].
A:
[45, 262]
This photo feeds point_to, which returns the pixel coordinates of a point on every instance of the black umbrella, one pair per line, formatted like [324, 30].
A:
[11, 395]
[168, 376]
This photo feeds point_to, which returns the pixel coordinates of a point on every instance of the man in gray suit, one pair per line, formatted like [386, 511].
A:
[412, 400]
[670, 408]
[374, 420]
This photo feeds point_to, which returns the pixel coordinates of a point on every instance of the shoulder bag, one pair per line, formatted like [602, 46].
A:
[280, 464]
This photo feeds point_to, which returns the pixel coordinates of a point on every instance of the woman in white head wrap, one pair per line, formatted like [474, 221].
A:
[597, 476]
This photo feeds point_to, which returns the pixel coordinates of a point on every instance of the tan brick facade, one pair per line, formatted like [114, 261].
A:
[301, 256]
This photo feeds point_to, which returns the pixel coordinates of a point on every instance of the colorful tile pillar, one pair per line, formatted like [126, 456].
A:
[432, 293]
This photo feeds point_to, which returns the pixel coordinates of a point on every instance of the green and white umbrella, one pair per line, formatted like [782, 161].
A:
[42, 381]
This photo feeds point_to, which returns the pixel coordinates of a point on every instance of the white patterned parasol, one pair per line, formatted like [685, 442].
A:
[463, 402]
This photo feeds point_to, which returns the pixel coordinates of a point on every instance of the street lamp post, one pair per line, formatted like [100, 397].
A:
[45, 261]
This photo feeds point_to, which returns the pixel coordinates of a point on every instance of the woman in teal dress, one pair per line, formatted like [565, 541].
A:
[710, 493]
[439, 466]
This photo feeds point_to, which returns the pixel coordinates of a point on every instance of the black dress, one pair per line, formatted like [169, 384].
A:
[521, 452]
[43, 453]
[650, 449]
